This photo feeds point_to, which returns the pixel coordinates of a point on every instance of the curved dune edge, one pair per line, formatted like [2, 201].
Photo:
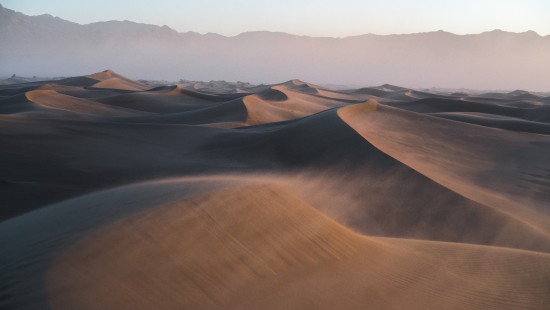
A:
[257, 247]
[122, 84]
[282, 103]
[112, 80]
[468, 159]
[51, 99]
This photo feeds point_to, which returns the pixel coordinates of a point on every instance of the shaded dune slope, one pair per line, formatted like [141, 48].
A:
[498, 121]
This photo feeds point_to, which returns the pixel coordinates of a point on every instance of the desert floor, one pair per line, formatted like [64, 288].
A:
[116, 195]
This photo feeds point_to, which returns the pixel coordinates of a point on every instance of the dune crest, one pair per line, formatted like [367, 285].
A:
[112, 80]
[455, 160]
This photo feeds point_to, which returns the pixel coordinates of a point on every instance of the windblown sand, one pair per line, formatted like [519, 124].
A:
[116, 195]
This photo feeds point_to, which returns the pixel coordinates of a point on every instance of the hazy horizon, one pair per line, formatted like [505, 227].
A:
[308, 18]
[492, 60]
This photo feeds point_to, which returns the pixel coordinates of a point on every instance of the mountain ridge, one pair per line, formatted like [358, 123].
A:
[41, 45]
[57, 18]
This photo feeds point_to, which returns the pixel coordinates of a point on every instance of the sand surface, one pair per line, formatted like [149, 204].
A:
[116, 195]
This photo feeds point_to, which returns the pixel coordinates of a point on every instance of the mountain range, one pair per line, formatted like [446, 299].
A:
[50, 46]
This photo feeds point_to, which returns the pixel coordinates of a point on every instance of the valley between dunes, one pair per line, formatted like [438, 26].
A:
[118, 195]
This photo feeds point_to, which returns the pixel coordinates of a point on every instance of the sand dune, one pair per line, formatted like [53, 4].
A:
[455, 160]
[288, 196]
[497, 121]
[112, 80]
[50, 99]
[248, 243]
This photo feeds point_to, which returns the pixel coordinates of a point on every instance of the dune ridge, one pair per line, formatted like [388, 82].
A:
[117, 195]
[391, 131]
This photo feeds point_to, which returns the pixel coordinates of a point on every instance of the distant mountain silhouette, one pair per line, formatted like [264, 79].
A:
[50, 46]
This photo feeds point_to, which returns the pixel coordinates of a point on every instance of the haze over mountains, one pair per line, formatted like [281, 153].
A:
[47, 46]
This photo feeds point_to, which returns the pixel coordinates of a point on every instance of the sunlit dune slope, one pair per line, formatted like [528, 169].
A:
[490, 166]
[112, 80]
[241, 248]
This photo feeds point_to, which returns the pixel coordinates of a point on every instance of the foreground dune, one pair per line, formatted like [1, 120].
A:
[290, 196]
[255, 247]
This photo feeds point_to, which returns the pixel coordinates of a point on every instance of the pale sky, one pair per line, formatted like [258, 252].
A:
[335, 18]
